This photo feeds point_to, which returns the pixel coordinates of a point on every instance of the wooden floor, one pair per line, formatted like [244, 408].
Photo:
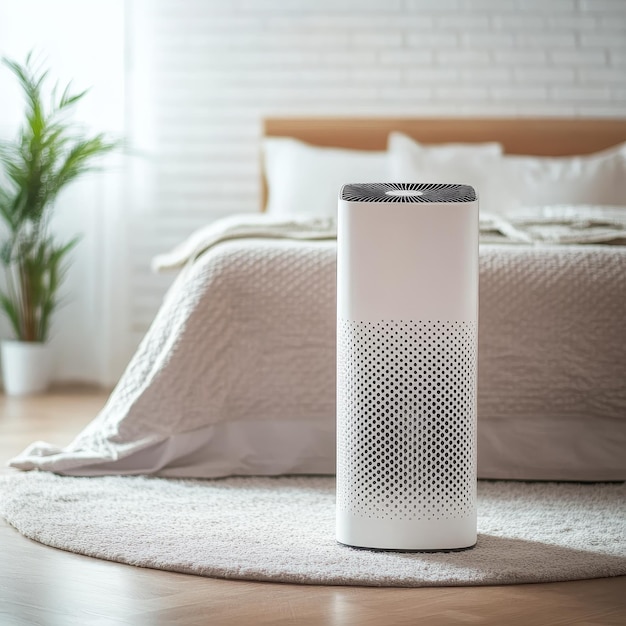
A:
[48, 587]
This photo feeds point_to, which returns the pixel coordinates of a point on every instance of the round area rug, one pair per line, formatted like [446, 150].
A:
[282, 529]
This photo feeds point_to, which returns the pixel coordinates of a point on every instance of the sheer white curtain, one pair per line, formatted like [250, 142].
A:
[83, 42]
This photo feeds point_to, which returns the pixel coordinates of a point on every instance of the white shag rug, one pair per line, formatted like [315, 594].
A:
[282, 529]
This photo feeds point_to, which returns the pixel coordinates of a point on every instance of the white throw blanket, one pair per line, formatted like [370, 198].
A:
[549, 225]
[237, 372]
[556, 225]
[245, 226]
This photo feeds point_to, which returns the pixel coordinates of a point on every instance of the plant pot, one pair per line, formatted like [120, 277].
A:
[25, 367]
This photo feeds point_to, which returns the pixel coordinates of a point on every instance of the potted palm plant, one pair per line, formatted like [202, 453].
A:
[49, 153]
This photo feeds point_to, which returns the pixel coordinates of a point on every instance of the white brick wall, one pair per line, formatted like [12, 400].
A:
[217, 67]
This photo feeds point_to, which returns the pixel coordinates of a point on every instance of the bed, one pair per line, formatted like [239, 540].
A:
[237, 373]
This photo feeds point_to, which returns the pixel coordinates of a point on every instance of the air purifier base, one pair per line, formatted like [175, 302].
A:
[415, 535]
[423, 551]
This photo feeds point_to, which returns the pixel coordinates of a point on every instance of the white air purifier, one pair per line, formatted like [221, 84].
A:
[407, 322]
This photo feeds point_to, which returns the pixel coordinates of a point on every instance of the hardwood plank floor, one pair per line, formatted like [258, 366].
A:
[43, 586]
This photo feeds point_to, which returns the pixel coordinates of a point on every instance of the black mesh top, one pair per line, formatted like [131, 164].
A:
[407, 192]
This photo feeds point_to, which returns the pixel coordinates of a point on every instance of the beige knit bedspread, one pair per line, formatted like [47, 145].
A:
[237, 373]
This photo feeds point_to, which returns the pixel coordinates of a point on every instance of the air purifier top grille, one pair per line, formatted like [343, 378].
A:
[407, 192]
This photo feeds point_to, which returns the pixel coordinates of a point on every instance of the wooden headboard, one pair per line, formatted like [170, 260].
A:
[533, 136]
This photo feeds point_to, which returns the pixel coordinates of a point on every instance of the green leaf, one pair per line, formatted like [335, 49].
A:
[68, 99]
[11, 311]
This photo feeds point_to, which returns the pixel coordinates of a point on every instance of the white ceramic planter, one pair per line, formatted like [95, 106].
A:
[25, 367]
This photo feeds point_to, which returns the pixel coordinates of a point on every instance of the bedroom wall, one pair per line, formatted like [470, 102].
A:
[211, 70]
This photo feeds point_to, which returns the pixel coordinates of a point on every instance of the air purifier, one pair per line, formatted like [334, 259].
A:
[407, 314]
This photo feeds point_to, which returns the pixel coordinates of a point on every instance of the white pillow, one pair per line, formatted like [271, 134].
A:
[305, 180]
[477, 165]
[595, 179]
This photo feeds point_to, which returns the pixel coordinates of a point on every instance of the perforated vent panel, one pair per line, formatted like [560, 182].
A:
[406, 410]
[402, 192]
